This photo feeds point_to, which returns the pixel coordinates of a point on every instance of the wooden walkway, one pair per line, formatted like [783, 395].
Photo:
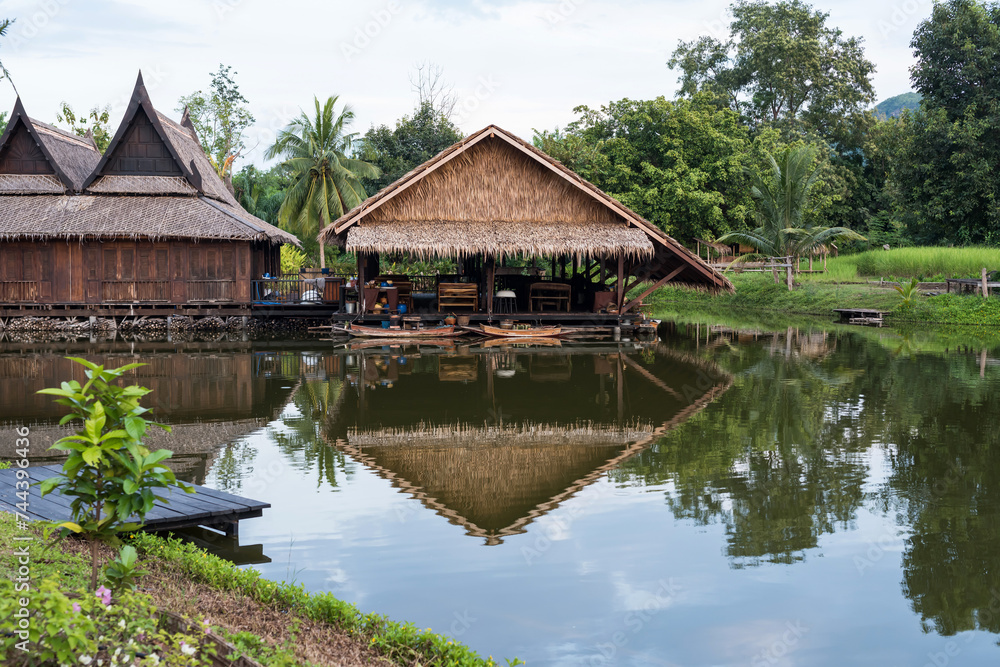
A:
[861, 316]
[207, 507]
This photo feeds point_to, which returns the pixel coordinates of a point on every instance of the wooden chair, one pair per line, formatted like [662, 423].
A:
[458, 295]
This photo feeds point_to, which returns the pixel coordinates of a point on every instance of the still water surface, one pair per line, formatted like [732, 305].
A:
[716, 498]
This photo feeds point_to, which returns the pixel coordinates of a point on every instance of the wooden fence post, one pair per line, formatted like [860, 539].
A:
[788, 269]
[986, 289]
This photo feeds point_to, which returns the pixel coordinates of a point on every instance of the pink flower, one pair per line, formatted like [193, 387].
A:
[76, 607]
[105, 595]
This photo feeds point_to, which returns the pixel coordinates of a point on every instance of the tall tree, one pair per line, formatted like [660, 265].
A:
[325, 183]
[220, 117]
[782, 65]
[415, 139]
[946, 172]
[678, 163]
[97, 123]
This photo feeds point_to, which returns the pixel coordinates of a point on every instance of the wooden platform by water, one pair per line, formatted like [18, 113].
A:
[207, 507]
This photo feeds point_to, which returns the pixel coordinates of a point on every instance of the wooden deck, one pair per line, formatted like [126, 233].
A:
[207, 507]
[861, 316]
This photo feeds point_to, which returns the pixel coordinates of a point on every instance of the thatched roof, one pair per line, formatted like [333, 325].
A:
[495, 480]
[69, 190]
[68, 159]
[494, 194]
[39, 217]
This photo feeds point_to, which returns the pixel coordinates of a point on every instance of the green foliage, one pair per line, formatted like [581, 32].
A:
[220, 119]
[895, 106]
[907, 291]
[325, 182]
[292, 259]
[782, 65]
[3, 122]
[123, 571]
[261, 192]
[84, 630]
[109, 474]
[784, 198]
[678, 164]
[945, 176]
[4, 465]
[98, 119]
[916, 262]
[415, 139]
[403, 643]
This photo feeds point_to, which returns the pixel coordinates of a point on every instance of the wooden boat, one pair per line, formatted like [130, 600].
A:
[399, 343]
[508, 342]
[534, 332]
[360, 330]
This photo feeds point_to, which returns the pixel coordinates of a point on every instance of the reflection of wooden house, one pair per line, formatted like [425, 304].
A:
[149, 222]
[550, 368]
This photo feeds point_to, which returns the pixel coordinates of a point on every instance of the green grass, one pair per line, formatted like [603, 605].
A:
[927, 263]
[403, 643]
[757, 294]
[72, 571]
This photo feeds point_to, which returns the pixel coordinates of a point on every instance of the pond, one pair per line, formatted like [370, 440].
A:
[724, 496]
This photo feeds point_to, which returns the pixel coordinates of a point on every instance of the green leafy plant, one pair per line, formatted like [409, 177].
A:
[124, 570]
[110, 476]
[292, 259]
[907, 291]
[71, 629]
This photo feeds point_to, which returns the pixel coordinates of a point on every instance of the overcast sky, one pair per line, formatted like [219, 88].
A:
[520, 64]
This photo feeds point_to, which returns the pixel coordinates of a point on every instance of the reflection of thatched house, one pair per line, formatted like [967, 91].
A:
[493, 196]
[509, 454]
[148, 222]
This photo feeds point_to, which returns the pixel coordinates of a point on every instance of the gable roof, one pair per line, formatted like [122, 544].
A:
[182, 146]
[590, 228]
[71, 158]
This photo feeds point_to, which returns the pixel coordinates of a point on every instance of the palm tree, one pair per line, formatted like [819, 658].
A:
[325, 182]
[782, 193]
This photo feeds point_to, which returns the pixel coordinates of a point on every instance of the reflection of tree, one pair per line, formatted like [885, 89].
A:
[233, 465]
[298, 435]
[768, 459]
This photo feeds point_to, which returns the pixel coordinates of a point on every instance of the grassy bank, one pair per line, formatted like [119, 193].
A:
[758, 293]
[273, 623]
[928, 264]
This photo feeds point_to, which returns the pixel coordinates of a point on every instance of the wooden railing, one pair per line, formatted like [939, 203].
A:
[18, 291]
[135, 291]
[210, 290]
[297, 290]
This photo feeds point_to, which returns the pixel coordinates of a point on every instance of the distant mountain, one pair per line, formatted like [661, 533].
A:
[894, 106]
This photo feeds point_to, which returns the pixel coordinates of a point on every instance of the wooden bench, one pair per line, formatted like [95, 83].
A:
[458, 295]
[549, 295]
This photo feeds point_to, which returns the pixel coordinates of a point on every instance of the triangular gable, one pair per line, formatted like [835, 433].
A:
[142, 146]
[23, 152]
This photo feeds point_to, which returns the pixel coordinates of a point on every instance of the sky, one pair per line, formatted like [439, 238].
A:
[520, 64]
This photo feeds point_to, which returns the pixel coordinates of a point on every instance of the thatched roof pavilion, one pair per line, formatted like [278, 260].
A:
[494, 196]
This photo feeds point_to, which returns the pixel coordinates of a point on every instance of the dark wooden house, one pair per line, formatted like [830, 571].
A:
[148, 223]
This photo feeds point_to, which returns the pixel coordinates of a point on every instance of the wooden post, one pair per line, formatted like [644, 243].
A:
[788, 276]
[986, 289]
[620, 285]
[982, 363]
[491, 263]
[361, 283]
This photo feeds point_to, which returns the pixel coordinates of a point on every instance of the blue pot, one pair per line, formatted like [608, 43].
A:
[385, 324]
[402, 308]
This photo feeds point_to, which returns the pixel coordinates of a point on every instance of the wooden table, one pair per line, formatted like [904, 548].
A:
[373, 294]
[555, 295]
